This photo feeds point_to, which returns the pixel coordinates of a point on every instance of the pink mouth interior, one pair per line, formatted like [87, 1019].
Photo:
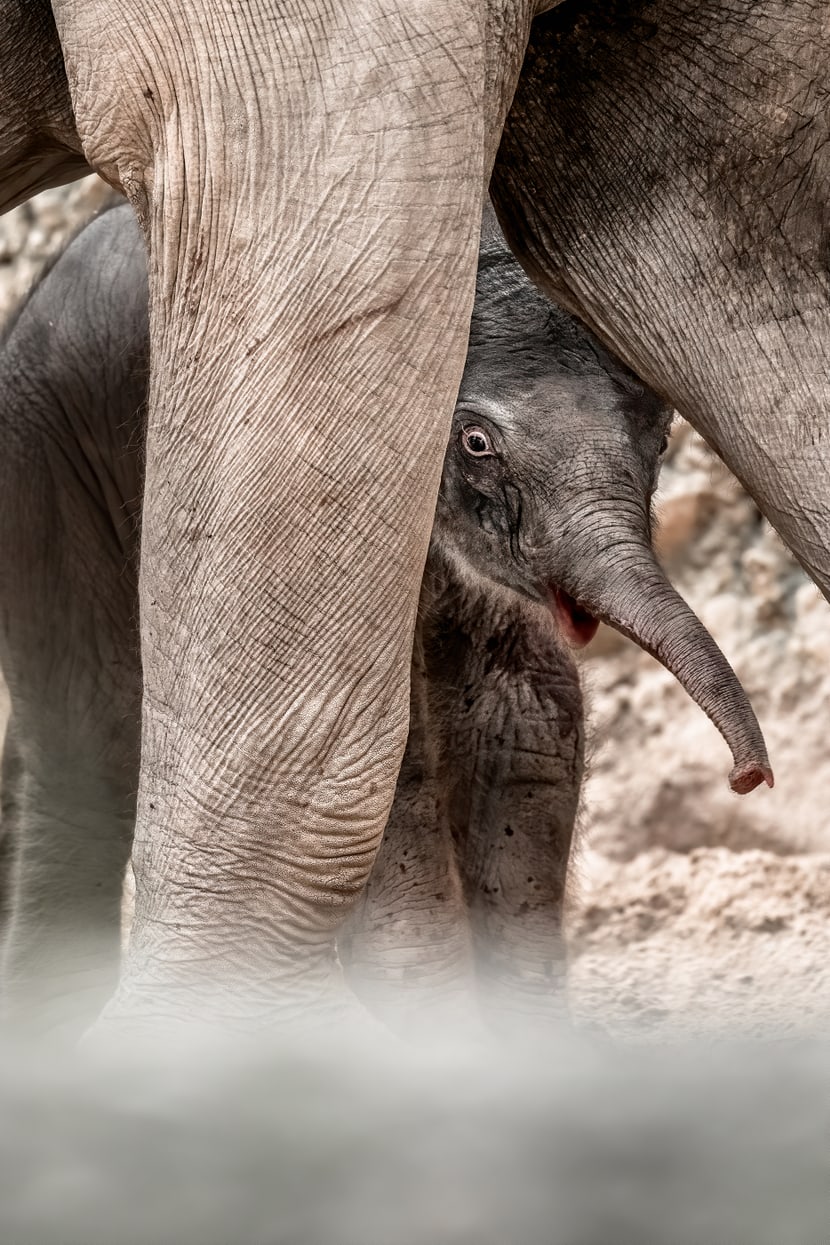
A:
[577, 625]
[747, 777]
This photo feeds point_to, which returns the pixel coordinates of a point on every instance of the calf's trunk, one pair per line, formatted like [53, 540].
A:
[626, 588]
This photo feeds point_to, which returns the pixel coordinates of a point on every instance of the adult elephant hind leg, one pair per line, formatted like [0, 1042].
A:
[70, 653]
[694, 239]
[511, 705]
[406, 948]
[11, 791]
[310, 180]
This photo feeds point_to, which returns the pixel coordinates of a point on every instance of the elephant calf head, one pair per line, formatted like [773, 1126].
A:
[547, 486]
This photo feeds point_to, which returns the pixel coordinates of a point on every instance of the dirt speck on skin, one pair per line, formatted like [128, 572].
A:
[691, 908]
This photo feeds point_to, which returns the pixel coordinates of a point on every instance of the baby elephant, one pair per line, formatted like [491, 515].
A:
[542, 528]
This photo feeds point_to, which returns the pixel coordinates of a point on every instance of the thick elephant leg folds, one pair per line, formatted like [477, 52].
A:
[309, 183]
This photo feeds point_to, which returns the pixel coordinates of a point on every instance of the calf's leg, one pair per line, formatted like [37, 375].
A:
[407, 948]
[509, 702]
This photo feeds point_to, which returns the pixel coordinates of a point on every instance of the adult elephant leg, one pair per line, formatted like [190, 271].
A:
[310, 186]
[11, 791]
[72, 368]
[509, 702]
[68, 648]
[407, 950]
[679, 204]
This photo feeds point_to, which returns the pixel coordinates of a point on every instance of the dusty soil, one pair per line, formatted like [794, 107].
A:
[691, 908]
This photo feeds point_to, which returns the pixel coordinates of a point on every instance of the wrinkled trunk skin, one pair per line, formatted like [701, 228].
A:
[679, 205]
[615, 576]
[39, 145]
[309, 181]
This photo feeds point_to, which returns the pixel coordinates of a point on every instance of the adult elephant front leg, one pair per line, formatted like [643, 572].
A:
[310, 189]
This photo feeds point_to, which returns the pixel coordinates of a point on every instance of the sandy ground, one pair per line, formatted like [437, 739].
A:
[690, 909]
[710, 942]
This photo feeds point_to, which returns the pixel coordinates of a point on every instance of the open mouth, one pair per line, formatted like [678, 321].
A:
[576, 624]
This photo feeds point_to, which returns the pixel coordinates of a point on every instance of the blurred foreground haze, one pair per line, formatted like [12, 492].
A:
[361, 1143]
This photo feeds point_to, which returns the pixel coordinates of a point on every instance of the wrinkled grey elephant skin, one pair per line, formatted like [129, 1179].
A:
[550, 436]
[308, 178]
[685, 163]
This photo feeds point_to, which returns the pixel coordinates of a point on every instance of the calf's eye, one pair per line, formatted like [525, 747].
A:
[476, 442]
[664, 445]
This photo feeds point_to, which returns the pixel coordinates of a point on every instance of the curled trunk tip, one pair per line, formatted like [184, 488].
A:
[745, 778]
[629, 590]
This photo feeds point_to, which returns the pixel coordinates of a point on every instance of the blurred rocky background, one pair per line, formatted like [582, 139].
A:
[690, 906]
[35, 232]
